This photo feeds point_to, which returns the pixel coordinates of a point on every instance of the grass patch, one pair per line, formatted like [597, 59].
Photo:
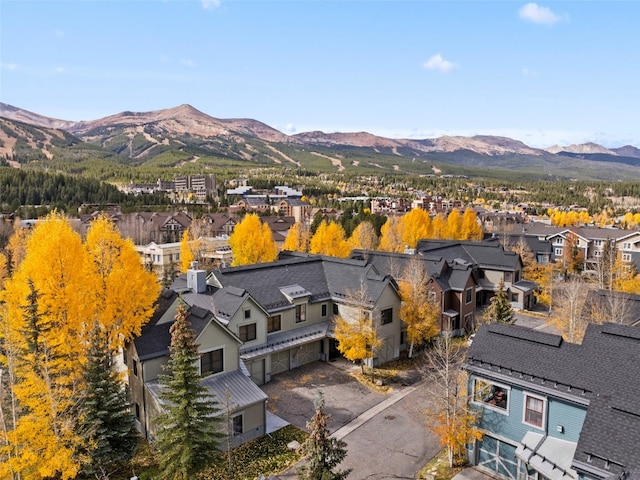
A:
[438, 468]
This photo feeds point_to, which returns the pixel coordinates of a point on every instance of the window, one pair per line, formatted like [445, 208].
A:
[627, 246]
[386, 316]
[507, 276]
[274, 324]
[597, 243]
[237, 425]
[534, 411]
[558, 252]
[626, 257]
[335, 309]
[433, 297]
[247, 332]
[135, 368]
[211, 362]
[324, 309]
[137, 408]
[517, 276]
[468, 295]
[559, 241]
[301, 313]
[514, 297]
[597, 253]
[247, 314]
[491, 394]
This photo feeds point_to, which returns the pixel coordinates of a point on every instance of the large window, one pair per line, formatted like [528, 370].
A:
[468, 295]
[507, 276]
[301, 313]
[211, 362]
[386, 316]
[247, 332]
[274, 323]
[534, 411]
[491, 394]
[324, 309]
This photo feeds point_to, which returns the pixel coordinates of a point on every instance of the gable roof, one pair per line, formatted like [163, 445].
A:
[602, 373]
[480, 254]
[321, 277]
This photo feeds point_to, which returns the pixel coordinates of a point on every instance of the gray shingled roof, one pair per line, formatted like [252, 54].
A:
[323, 277]
[481, 254]
[155, 338]
[602, 373]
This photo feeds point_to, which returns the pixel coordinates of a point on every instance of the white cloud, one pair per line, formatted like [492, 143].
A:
[8, 66]
[187, 62]
[537, 14]
[210, 4]
[436, 62]
[289, 129]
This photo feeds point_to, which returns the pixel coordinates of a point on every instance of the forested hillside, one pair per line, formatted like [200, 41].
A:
[65, 192]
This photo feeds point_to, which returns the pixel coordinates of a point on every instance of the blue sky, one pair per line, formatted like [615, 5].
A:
[544, 72]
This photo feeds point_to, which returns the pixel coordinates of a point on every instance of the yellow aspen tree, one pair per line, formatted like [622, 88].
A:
[454, 225]
[419, 314]
[470, 228]
[47, 314]
[391, 235]
[297, 239]
[330, 240]
[439, 227]
[357, 339]
[252, 242]
[416, 225]
[364, 237]
[453, 422]
[186, 255]
[123, 292]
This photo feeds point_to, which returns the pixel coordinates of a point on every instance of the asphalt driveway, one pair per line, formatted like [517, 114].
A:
[386, 433]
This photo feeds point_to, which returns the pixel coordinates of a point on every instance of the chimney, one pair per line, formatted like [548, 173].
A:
[196, 279]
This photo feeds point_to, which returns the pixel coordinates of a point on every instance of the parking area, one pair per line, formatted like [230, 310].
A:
[386, 433]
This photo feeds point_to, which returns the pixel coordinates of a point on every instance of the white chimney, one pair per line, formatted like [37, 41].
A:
[196, 279]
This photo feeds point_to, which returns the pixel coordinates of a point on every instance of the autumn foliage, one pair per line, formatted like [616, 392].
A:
[55, 296]
[252, 242]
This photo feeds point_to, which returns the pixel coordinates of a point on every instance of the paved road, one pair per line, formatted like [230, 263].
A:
[386, 434]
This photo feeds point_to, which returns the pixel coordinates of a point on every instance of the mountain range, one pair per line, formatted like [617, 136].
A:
[173, 136]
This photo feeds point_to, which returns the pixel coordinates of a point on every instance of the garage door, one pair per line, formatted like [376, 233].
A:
[498, 457]
[308, 353]
[279, 362]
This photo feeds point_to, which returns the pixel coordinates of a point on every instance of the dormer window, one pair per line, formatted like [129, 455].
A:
[301, 313]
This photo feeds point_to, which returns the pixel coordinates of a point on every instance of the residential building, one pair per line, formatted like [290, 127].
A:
[553, 410]
[218, 346]
[256, 321]
[490, 263]
[452, 285]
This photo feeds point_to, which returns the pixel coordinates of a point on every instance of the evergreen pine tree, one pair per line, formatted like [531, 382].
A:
[500, 309]
[322, 452]
[106, 417]
[188, 438]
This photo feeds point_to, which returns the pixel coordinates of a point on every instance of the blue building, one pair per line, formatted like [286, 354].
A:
[555, 410]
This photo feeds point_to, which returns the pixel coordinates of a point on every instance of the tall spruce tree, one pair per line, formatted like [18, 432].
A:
[500, 309]
[106, 420]
[188, 435]
[322, 452]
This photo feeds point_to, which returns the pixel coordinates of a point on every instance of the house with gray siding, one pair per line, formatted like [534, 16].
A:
[253, 322]
[553, 410]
